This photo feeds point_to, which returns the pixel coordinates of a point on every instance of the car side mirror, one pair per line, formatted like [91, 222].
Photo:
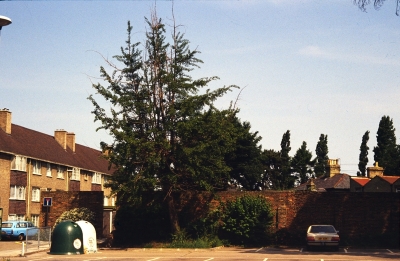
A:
[337, 232]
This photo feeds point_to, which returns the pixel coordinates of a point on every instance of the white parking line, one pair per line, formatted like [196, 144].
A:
[259, 249]
[345, 250]
[209, 259]
[153, 259]
[301, 250]
[265, 259]
[390, 251]
[97, 258]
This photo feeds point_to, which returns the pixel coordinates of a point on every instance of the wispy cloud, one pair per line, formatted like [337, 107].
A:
[318, 52]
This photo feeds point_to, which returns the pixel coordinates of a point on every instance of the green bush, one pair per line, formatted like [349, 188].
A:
[77, 214]
[246, 220]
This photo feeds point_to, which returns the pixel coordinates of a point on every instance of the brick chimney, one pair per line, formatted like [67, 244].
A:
[374, 171]
[333, 167]
[5, 120]
[71, 141]
[61, 138]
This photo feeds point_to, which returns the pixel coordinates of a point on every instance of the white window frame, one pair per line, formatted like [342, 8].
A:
[96, 178]
[76, 174]
[48, 170]
[105, 201]
[35, 219]
[18, 163]
[17, 192]
[60, 172]
[15, 217]
[37, 167]
[36, 194]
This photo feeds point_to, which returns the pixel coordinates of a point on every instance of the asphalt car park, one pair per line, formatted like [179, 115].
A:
[223, 254]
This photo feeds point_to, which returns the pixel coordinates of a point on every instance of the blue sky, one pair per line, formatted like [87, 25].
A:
[307, 66]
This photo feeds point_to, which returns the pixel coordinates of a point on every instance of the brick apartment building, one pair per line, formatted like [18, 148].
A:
[32, 162]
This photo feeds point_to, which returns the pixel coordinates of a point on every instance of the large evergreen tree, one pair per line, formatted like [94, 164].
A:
[363, 158]
[278, 174]
[272, 170]
[302, 163]
[166, 136]
[286, 172]
[321, 152]
[245, 161]
[386, 152]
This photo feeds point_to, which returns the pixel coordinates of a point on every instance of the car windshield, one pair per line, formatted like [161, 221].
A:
[6, 225]
[322, 229]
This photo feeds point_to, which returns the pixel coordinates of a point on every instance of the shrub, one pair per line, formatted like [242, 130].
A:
[77, 214]
[246, 220]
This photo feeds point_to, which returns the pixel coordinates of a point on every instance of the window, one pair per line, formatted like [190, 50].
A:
[37, 166]
[36, 194]
[60, 172]
[18, 163]
[75, 175]
[35, 220]
[397, 190]
[17, 192]
[113, 201]
[15, 217]
[48, 170]
[96, 178]
[105, 201]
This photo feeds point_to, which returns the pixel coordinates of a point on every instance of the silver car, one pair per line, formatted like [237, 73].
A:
[322, 235]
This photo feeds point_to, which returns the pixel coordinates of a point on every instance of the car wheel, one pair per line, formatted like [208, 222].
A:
[21, 237]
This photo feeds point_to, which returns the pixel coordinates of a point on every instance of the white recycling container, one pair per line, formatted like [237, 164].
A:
[89, 236]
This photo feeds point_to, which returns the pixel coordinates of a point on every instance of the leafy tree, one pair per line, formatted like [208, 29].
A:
[286, 172]
[363, 158]
[386, 151]
[272, 170]
[278, 174]
[362, 4]
[166, 135]
[246, 220]
[322, 156]
[302, 163]
[245, 161]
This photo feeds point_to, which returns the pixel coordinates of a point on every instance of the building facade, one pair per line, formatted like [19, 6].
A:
[32, 162]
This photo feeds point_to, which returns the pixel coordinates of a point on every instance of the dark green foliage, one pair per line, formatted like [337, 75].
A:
[278, 172]
[142, 224]
[166, 136]
[386, 153]
[245, 161]
[322, 156]
[302, 163]
[272, 165]
[363, 159]
[246, 220]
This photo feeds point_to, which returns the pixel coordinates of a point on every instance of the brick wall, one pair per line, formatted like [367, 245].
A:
[67, 200]
[5, 183]
[355, 215]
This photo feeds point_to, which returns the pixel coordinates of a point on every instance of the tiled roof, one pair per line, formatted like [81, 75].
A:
[339, 181]
[37, 145]
[361, 181]
[390, 179]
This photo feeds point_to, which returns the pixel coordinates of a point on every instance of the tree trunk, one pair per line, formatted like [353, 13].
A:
[173, 215]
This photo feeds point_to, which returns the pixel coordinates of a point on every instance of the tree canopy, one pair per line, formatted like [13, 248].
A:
[363, 158]
[386, 153]
[302, 163]
[167, 135]
[322, 156]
